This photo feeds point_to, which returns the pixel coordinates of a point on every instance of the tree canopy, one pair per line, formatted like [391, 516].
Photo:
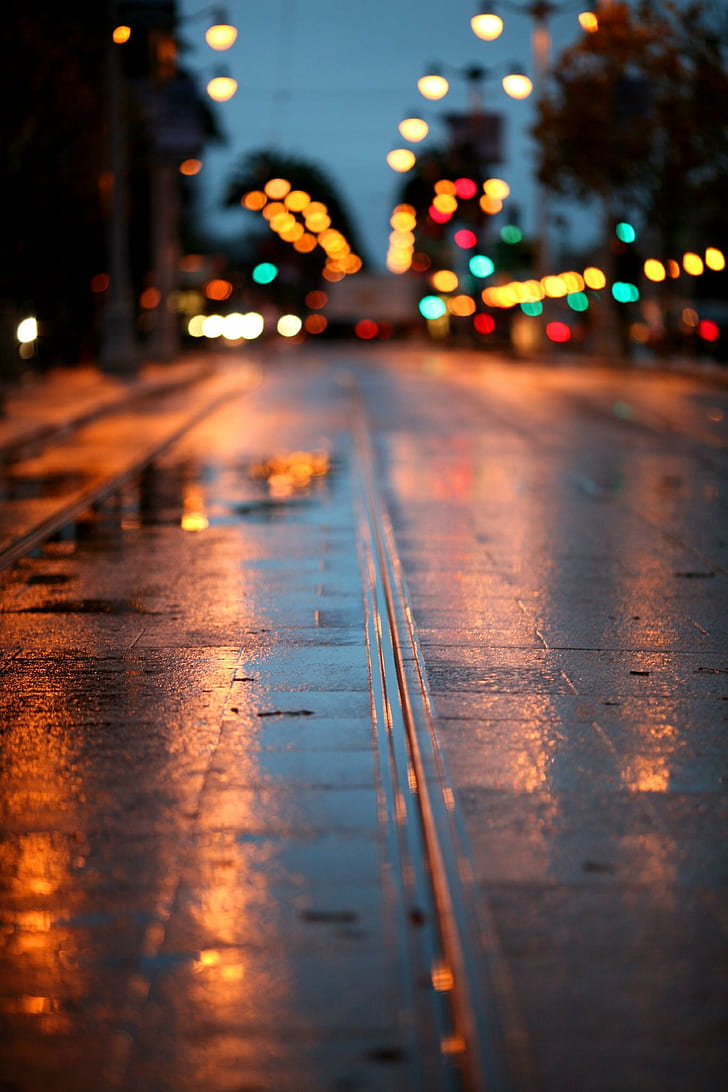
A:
[636, 117]
[260, 166]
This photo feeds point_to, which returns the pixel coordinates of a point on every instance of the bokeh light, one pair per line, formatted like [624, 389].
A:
[708, 330]
[517, 85]
[277, 188]
[264, 273]
[220, 36]
[233, 326]
[594, 278]
[511, 233]
[222, 88]
[693, 264]
[444, 280]
[654, 270]
[297, 200]
[413, 129]
[465, 239]
[625, 292]
[366, 329]
[625, 232]
[254, 200]
[481, 266]
[715, 259]
[401, 159]
[445, 202]
[484, 323]
[218, 289]
[432, 307]
[461, 305]
[433, 87]
[212, 326]
[490, 205]
[496, 187]
[27, 330]
[289, 325]
[465, 188]
[195, 326]
[437, 216]
[252, 325]
[315, 324]
[487, 26]
[558, 332]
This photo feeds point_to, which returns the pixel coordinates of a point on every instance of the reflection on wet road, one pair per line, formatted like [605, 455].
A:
[578, 666]
[192, 860]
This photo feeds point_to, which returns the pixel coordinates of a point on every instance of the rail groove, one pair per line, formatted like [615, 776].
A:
[104, 486]
[463, 1026]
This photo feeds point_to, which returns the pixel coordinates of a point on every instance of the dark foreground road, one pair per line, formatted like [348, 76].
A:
[201, 880]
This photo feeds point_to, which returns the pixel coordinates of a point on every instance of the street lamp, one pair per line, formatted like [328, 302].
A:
[433, 85]
[222, 87]
[175, 132]
[118, 349]
[220, 34]
[539, 11]
[517, 85]
[413, 129]
[486, 25]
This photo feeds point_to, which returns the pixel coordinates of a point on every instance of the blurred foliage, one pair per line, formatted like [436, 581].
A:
[637, 117]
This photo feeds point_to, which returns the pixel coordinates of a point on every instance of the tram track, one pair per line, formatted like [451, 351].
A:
[98, 469]
[460, 1026]
[466, 1029]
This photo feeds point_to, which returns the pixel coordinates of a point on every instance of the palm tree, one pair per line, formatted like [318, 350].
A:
[299, 272]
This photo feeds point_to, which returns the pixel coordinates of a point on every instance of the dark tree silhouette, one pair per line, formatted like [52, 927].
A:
[52, 135]
[259, 166]
[637, 118]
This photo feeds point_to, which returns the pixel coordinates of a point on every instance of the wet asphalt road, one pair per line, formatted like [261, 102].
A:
[193, 876]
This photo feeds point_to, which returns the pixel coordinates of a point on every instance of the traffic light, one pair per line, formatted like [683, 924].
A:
[265, 273]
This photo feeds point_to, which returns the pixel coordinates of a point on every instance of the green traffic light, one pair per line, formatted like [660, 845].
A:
[577, 301]
[432, 307]
[265, 273]
[481, 266]
[511, 234]
[624, 292]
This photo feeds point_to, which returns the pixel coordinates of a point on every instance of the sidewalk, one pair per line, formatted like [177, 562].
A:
[44, 403]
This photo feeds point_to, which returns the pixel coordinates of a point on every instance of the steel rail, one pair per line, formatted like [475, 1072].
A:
[103, 487]
[471, 1035]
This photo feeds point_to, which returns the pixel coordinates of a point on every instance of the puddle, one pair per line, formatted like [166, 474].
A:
[86, 606]
[191, 495]
[48, 578]
[268, 508]
[17, 487]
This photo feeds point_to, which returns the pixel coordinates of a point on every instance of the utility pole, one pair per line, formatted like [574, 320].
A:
[118, 350]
